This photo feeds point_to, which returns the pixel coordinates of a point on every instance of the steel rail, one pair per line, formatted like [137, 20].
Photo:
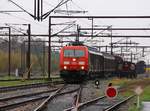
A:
[90, 102]
[55, 94]
[78, 97]
[10, 106]
[77, 100]
[79, 106]
[14, 105]
[76, 108]
[39, 108]
[21, 87]
[26, 95]
[112, 108]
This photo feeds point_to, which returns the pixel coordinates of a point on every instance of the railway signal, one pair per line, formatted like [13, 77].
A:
[111, 92]
[97, 83]
[138, 92]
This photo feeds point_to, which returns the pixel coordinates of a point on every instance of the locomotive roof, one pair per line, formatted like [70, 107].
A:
[94, 50]
[105, 55]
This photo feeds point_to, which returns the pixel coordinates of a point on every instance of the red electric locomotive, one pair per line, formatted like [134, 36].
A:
[73, 62]
[77, 62]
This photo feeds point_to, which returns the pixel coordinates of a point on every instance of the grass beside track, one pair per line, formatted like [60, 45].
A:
[17, 78]
[24, 81]
[20, 82]
[9, 77]
[130, 85]
[145, 96]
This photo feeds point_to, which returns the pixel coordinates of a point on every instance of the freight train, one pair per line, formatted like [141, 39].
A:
[79, 62]
[140, 67]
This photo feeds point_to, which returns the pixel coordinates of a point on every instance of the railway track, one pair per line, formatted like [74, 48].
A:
[117, 105]
[20, 87]
[69, 96]
[15, 101]
[69, 101]
[101, 104]
[77, 100]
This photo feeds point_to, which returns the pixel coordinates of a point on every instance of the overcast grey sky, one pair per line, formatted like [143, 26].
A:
[94, 7]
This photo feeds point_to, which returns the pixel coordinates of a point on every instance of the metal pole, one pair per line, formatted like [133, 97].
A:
[143, 52]
[92, 28]
[28, 54]
[106, 48]
[138, 101]
[35, 10]
[121, 50]
[99, 48]
[9, 56]
[21, 56]
[111, 41]
[38, 10]
[78, 34]
[49, 50]
[24, 56]
[131, 56]
[43, 57]
[41, 9]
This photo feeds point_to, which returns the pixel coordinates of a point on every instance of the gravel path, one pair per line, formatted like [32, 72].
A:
[90, 91]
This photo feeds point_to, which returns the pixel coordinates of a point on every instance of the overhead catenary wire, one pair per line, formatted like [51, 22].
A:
[52, 9]
[67, 27]
[10, 11]
[44, 16]
[26, 20]
[16, 29]
[21, 8]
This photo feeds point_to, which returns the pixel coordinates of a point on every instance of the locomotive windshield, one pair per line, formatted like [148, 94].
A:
[74, 53]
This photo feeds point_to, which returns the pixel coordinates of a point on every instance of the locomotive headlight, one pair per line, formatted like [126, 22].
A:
[65, 67]
[66, 62]
[82, 67]
[74, 59]
[81, 63]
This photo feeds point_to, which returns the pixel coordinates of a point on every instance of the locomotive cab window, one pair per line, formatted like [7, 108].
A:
[74, 53]
[79, 53]
[68, 53]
